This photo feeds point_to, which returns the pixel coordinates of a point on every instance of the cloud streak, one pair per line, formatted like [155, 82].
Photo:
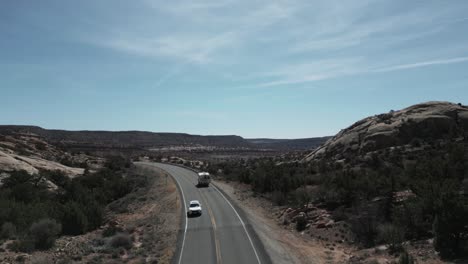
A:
[195, 49]
[204, 34]
[294, 74]
[422, 64]
[309, 72]
[316, 40]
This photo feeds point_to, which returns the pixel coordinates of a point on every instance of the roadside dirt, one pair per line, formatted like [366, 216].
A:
[148, 219]
[283, 245]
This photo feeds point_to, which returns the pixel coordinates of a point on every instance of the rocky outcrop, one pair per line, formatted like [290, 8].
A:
[13, 162]
[320, 218]
[427, 121]
[32, 154]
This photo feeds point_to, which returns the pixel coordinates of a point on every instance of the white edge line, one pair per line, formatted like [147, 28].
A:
[242, 222]
[185, 208]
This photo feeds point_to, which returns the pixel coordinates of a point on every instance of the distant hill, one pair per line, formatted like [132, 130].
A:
[289, 144]
[136, 139]
[150, 140]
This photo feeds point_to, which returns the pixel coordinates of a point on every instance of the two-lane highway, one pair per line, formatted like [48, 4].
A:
[220, 234]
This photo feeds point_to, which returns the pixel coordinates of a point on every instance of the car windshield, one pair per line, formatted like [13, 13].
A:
[194, 205]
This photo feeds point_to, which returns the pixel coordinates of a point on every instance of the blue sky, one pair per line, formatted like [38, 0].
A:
[257, 68]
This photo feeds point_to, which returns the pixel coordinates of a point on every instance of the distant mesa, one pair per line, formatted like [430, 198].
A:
[152, 140]
[289, 144]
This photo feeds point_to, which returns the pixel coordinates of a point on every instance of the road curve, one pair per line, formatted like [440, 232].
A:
[221, 234]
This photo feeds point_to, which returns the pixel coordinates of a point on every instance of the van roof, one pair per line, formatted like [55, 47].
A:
[203, 173]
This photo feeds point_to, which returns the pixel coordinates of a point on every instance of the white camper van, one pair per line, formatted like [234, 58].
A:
[204, 179]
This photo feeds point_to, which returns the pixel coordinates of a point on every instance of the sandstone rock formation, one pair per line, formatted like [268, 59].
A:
[426, 121]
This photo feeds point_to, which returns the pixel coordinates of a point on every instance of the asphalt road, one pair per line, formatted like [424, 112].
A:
[221, 234]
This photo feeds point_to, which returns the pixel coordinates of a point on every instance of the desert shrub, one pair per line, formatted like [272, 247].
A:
[40, 146]
[416, 142]
[57, 177]
[301, 196]
[8, 230]
[385, 117]
[24, 244]
[450, 229]
[364, 224]
[42, 260]
[436, 178]
[438, 181]
[405, 258]
[410, 217]
[74, 220]
[391, 235]
[78, 204]
[24, 187]
[340, 214]
[44, 233]
[67, 161]
[121, 240]
[111, 230]
[279, 198]
[301, 223]
[65, 260]
[116, 163]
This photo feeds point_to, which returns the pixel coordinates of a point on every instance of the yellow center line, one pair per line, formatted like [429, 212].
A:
[218, 251]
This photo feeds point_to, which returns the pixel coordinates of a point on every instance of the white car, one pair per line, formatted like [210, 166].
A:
[194, 208]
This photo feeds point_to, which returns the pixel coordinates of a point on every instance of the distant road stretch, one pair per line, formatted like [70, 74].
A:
[221, 234]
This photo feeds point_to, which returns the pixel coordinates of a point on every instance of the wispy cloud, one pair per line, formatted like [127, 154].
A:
[187, 7]
[268, 15]
[206, 32]
[310, 72]
[316, 40]
[422, 64]
[196, 48]
[346, 27]
[307, 73]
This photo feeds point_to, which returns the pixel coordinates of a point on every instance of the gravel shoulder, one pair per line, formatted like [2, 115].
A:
[283, 246]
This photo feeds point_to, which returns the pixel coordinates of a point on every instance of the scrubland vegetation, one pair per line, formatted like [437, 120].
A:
[33, 214]
[389, 197]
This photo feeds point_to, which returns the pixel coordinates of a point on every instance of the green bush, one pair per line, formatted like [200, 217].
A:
[41, 146]
[44, 233]
[405, 258]
[111, 230]
[301, 224]
[121, 240]
[364, 226]
[42, 260]
[391, 235]
[8, 230]
[24, 244]
[74, 220]
[78, 203]
[450, 230]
